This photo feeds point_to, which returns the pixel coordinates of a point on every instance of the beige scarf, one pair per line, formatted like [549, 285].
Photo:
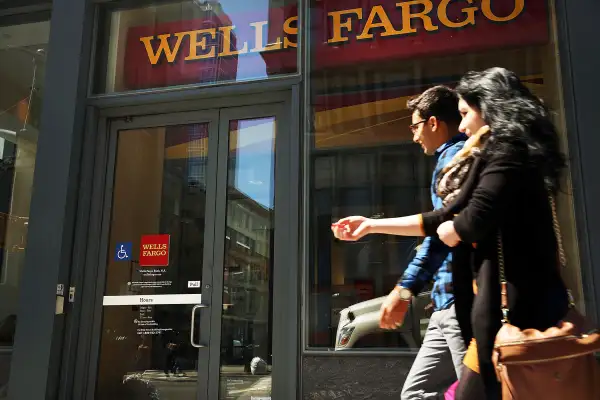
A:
[454, 174]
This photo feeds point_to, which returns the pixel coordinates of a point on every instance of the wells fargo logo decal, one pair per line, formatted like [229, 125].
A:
[406, 18]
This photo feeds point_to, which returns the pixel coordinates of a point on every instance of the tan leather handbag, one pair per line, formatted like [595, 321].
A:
[556, 364]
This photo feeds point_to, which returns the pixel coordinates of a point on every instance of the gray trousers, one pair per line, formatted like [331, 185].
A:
[439, 362]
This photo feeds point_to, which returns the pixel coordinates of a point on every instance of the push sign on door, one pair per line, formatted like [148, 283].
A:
[123, 251]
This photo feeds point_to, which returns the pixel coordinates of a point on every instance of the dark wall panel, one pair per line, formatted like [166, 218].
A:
[581, 85]
[354, 378]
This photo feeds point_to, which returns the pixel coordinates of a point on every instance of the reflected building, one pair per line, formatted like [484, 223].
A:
[247, 278]
[283, 60]
[216, 69]
[140, 73]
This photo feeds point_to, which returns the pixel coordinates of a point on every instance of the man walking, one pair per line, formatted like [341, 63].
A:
[435, 121]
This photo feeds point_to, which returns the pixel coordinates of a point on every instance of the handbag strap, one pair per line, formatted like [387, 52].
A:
[562, 259]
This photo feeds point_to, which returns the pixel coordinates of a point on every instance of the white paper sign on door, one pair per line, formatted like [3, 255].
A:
[153, 299]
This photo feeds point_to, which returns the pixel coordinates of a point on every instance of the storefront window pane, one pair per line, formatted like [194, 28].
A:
[367, 60]
[197, 42]
[22, 72]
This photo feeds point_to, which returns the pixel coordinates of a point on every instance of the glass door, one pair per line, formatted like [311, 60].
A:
[159, 258]
[245, 223]
[188, 296]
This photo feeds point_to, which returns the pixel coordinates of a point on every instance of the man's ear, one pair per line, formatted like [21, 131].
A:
[434, 123]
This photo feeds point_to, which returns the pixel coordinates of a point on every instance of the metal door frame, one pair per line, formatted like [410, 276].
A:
[105, 181]
[96, 229]
[281, 176]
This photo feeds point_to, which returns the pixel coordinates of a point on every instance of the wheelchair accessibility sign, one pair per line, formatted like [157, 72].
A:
[123, 251]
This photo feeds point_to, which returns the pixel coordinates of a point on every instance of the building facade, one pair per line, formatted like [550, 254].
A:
[170, 170]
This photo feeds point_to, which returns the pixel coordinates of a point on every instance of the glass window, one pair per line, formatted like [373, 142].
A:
[367, 59]
[196, 42]
[22, 70]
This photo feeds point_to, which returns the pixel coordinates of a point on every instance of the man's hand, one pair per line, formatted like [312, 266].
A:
[393, 310]
[352, 228]
[447, 234]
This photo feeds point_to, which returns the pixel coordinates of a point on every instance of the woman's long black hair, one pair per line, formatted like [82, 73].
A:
[519, 121]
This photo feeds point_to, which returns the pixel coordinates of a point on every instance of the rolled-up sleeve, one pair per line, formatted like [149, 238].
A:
[423, 267]
[432, 219]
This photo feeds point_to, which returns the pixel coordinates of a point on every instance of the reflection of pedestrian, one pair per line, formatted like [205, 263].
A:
[173, 352]
[7, 330]
[171, 359]
[229, 347]
[141, 354]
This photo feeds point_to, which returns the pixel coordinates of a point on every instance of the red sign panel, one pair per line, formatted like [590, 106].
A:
[209, 49]
[154, 251]
[350, 32]
[342, 33]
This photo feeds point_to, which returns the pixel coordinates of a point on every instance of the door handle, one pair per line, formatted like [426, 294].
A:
[193, 324]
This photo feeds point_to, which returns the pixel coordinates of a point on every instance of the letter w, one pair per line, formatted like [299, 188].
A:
[163, 47]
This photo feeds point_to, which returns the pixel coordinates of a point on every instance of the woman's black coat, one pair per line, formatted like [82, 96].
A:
[502, 194]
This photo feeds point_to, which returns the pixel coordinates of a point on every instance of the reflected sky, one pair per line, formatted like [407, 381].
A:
[254, 158]
[242, 13]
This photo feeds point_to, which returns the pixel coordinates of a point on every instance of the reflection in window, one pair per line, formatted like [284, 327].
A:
[248, 267]
[146, 348]
[197, 162]
[22, 75]
[197, 42]
[362, 159]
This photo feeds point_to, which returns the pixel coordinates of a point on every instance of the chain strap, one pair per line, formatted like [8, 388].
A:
[503, 285]
[562, 258]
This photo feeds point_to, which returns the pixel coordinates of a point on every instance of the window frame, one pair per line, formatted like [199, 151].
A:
[103, 9]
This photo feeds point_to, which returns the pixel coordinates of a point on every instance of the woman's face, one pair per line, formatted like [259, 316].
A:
[471, 118]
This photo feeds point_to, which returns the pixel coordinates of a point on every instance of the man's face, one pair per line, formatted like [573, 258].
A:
[424, 133]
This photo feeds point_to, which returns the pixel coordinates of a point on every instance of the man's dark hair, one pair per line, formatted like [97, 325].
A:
[440, 102]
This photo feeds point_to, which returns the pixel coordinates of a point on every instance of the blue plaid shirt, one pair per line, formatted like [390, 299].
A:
[434, 259]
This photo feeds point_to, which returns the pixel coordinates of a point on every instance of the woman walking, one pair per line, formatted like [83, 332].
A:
[499, 186]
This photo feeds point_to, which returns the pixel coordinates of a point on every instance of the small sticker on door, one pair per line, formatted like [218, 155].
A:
[154, 251]
[123, 251]
[193, 284]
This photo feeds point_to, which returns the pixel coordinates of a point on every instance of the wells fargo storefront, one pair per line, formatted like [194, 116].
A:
[188, 158]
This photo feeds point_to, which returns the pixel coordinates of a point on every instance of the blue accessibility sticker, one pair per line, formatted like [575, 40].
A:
[123, 251]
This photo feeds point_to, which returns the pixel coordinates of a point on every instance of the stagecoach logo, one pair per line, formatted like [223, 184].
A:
[204, 6]
[359, 24]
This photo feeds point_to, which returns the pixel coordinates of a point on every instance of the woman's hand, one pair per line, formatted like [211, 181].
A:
[447, 234]
[352, 228]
